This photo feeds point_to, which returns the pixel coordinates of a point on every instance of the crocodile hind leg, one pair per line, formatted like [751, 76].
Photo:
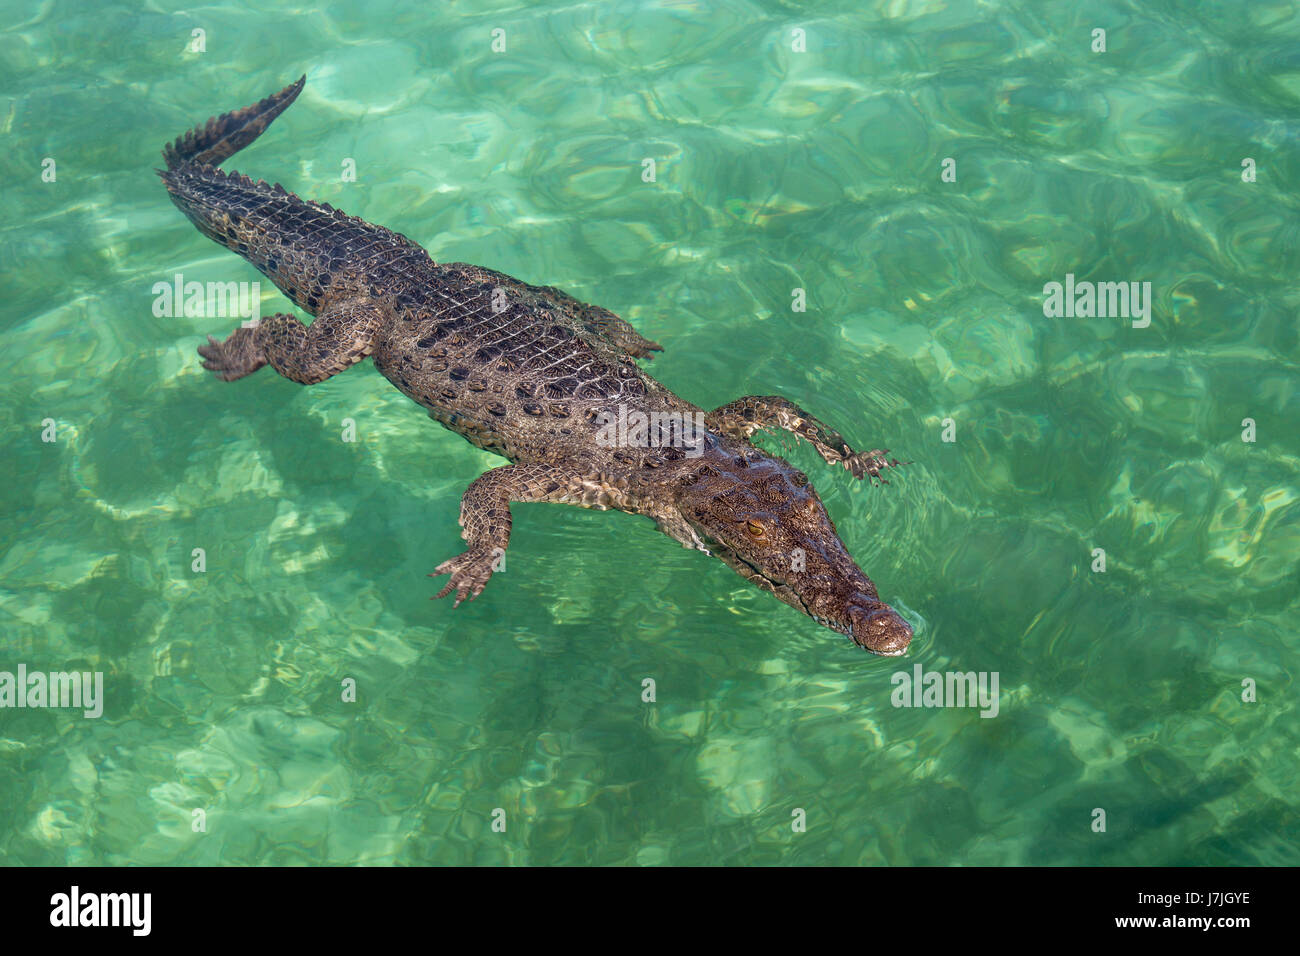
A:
[745, 416]
[343, 334]
[485, 517]
[604, 322]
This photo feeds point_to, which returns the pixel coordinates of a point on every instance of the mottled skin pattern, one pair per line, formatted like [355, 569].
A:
[523, 371]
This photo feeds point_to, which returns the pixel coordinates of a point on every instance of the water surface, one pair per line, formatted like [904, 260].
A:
[775, 170]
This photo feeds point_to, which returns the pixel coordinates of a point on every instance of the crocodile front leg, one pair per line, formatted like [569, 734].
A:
[485, 517]
[343, 334]
[745, 416]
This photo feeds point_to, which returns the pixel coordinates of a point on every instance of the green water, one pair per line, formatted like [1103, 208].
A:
[775, 170]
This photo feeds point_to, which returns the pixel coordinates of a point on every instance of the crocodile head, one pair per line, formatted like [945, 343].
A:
[762, 517]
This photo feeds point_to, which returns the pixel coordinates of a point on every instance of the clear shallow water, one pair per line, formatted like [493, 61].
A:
[775, 170]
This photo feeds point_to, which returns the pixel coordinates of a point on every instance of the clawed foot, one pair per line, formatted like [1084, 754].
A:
[870, 463]
[469, 573]
[645, 349]
[237, 356]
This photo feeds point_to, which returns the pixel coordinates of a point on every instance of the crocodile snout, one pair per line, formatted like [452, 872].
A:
[879, 628]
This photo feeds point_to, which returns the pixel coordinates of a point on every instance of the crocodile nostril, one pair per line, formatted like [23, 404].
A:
[879, 629]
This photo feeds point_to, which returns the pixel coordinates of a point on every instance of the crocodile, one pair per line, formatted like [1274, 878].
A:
[534, 375]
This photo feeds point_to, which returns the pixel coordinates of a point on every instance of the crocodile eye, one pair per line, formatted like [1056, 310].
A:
[755, 529]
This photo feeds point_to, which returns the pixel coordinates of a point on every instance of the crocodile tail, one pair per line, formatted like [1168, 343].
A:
[227, 134]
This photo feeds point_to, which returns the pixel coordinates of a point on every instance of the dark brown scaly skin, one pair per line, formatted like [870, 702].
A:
[523, 371]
